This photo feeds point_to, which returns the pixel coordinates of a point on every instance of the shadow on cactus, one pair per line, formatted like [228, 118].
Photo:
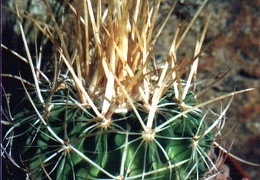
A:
[104, 108]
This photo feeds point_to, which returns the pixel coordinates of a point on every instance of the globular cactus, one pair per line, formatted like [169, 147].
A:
[104, 109]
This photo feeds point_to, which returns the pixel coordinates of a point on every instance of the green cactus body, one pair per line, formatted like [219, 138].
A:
[106, 147]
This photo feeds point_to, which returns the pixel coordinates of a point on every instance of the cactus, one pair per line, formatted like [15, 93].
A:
[105, 109]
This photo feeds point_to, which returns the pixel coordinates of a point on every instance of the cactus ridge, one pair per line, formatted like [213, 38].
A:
[116, 148]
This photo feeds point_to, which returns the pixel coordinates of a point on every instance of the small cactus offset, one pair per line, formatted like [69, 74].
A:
[106, 108]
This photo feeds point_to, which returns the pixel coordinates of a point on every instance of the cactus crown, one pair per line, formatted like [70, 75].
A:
[109, 109]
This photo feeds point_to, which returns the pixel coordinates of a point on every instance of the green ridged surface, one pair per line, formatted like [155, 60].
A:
[106, 147]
